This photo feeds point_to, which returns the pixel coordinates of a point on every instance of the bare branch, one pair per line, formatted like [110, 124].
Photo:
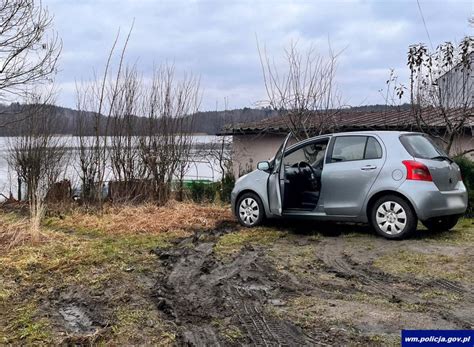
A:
[304, 91]
[29, 49]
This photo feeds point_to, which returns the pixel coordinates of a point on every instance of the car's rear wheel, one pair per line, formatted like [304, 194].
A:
[393, 218]
[249, 210]
[441, 223]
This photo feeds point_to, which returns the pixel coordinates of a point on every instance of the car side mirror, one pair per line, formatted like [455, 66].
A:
[263, 165]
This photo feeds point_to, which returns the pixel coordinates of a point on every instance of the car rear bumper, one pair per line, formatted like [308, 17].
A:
[429, 201]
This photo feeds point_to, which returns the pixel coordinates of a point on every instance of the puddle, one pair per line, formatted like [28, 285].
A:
[77, 319]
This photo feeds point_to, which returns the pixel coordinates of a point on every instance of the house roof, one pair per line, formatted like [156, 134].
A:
[347, 120]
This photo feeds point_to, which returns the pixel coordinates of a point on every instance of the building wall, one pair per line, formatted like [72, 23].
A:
[248, 150]
[457, 87]
[462, 144]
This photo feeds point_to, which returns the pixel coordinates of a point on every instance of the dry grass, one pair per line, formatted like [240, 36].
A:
[112, 273]
[148, 219]
[16, 231]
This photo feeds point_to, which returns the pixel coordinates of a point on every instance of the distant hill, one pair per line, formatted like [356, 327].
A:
[209, 122]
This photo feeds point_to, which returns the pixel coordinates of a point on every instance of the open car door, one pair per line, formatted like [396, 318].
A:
[276, 181]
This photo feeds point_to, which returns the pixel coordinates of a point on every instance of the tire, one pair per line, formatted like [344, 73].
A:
[441, 223]
[249, 210]
[393, 218]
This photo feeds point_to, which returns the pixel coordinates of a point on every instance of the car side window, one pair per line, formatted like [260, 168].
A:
[373, 149]
[311, 153]
[348, 148]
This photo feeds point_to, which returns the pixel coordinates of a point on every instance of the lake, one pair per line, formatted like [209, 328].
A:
[200, 168]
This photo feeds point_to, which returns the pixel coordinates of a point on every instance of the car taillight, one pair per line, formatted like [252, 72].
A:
[417, 171]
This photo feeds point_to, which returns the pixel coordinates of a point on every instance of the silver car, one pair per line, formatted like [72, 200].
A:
[389, 179]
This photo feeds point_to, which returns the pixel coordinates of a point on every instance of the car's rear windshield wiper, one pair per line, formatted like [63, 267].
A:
[442, 157]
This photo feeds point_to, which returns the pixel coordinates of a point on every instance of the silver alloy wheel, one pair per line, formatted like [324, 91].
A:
[249, 211]
[391, 218]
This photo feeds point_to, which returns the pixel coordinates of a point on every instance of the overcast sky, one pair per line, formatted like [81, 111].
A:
[217, 39]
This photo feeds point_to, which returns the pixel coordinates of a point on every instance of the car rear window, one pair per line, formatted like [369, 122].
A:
[420, 146]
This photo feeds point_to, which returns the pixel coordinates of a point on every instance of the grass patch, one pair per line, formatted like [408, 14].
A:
[232, 243]
[440, 295]
[426, 265]
[74, 257]
[300, 260]
[114, 268]
[385, 340]
[14, 230]
[26, 327]
[304, 311]
[385, 302]
[140, 326]
[231, 332]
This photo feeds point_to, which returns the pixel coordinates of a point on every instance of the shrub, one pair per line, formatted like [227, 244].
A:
[227, 184]
[203, 191]
[467, 171]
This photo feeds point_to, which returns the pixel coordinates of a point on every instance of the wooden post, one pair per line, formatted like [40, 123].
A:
[19, 189]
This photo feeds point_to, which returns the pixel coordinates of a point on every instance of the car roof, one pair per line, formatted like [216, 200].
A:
[381, 133]
[374, 132]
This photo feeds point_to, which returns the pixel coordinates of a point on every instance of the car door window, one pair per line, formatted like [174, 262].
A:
[373, 150]
[311, 154]
[348, 148]
[278, 157]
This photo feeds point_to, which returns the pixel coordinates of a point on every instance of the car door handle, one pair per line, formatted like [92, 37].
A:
[368, 167]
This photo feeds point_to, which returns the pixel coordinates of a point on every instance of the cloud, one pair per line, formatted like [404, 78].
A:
[217, 39]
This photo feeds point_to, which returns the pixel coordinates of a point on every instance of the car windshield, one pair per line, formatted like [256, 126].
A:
[421, 146]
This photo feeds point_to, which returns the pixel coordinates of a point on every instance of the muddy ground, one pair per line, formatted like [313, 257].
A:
[304, 289]
[282, 284]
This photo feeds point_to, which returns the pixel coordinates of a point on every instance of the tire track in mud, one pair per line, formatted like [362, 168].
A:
[197, 290]
[451, 286]
[376, 283]
[384, 284]
[262, 329]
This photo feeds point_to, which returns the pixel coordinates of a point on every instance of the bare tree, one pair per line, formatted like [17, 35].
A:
[442, 90]
[166, 149]
[304, 91]
[29, 50]
[96, 101]
[38, 155]
[218, 154]
[127, 167]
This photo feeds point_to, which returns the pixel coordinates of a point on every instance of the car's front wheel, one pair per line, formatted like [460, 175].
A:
[249, 210]
[393, 218]
[441, 223]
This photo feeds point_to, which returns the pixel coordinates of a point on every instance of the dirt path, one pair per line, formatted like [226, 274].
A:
[255, 297]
